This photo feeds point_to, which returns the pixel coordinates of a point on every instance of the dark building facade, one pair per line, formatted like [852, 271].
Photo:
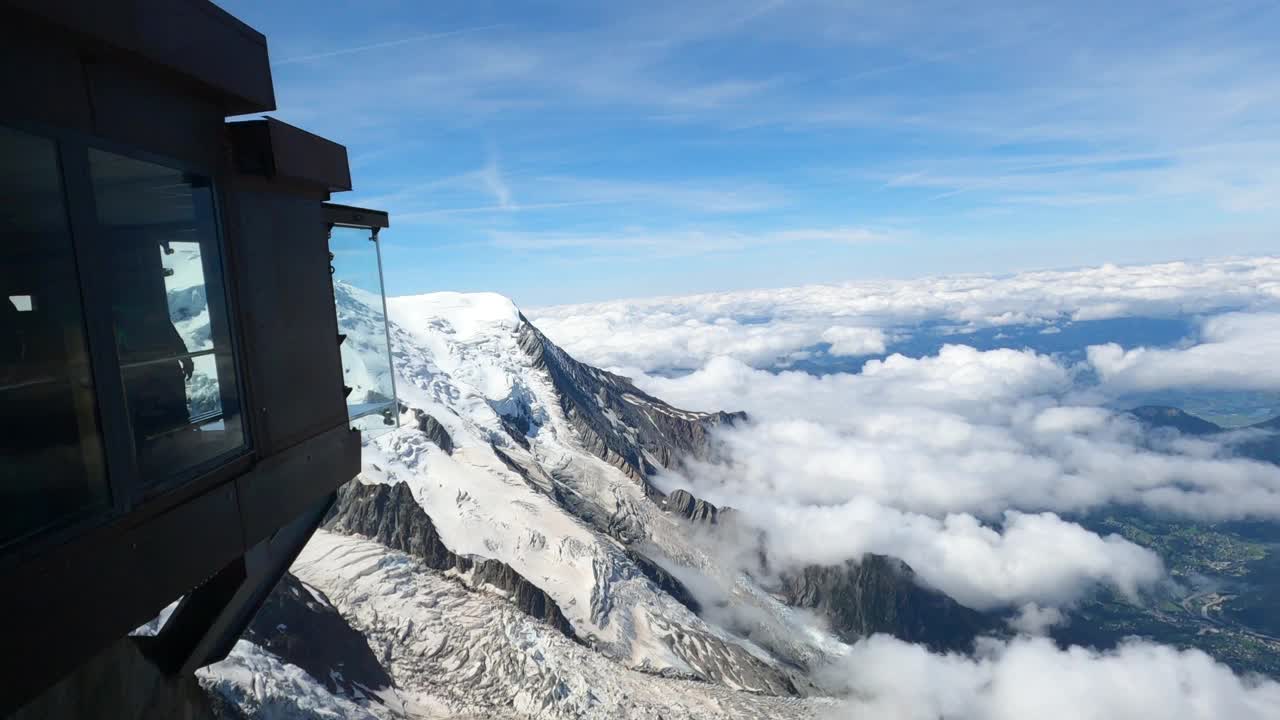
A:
[173, 416]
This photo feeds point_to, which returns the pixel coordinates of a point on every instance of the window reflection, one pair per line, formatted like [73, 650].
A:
[51, 464]
[168, 313]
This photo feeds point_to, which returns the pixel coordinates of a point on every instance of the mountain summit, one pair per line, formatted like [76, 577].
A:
[506, 551]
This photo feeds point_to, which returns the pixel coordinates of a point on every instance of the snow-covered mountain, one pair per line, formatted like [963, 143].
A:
[504, 553]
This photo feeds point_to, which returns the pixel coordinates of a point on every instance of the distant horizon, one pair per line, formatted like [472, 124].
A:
[852, 281]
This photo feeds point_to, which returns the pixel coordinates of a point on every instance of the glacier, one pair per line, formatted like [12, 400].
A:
[504, 553]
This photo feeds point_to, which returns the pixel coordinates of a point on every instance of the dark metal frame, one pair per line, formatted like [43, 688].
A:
[127, 489]
[351, 216]
[206, 623]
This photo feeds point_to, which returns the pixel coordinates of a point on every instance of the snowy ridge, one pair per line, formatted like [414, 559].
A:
[261, 685]
[544, 471]
[461, 362]
[363, 352]
[466, 654]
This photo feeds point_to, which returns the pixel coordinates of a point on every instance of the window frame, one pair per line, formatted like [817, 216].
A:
[126, 489]
[89, 515]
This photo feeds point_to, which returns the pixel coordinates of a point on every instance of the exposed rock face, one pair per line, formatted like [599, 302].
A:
[616, 421]
[434, 431]
[880, 594]
[665, 581]
[300, 626]
[639, 433]
[532, 477]
[684, 504]
[390, 515]
[517, 430]
[1263, 446]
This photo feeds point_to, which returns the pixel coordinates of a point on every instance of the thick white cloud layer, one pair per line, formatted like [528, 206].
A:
[1031, 678]
[1038, 558]
[957, 463]
[1235, 351]
[762, 327]
[963, 431]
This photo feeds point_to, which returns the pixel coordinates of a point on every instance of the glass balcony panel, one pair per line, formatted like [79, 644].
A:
[366, 356]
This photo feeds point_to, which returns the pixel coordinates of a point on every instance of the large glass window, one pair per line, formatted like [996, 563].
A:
[362, 319]
[168, 313]
[51, 461]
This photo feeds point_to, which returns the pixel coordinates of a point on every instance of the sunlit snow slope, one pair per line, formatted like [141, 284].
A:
[517, 487]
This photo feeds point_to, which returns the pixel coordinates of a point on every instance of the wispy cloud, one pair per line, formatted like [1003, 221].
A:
[714, 196]
[491, 189]
[383, 45]
[490, 176]
[684, 241]
[415, 216]
[708, 122]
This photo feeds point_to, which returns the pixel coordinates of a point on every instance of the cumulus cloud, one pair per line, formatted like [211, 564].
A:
[1235, 351]
[1031, 678]
[1033, 619]
[968, 464]
[614, 337]
[958, 377]
[764, 327]
[963, 431]
[1031, 558]
[961, 464]
[854, 341]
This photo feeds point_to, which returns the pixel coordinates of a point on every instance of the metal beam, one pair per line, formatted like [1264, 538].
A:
[349, 216]
[206, 624]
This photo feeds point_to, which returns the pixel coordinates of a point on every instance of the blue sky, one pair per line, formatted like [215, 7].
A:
[566, 152]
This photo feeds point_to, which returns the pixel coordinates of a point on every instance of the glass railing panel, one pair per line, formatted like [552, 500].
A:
[361, 309]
